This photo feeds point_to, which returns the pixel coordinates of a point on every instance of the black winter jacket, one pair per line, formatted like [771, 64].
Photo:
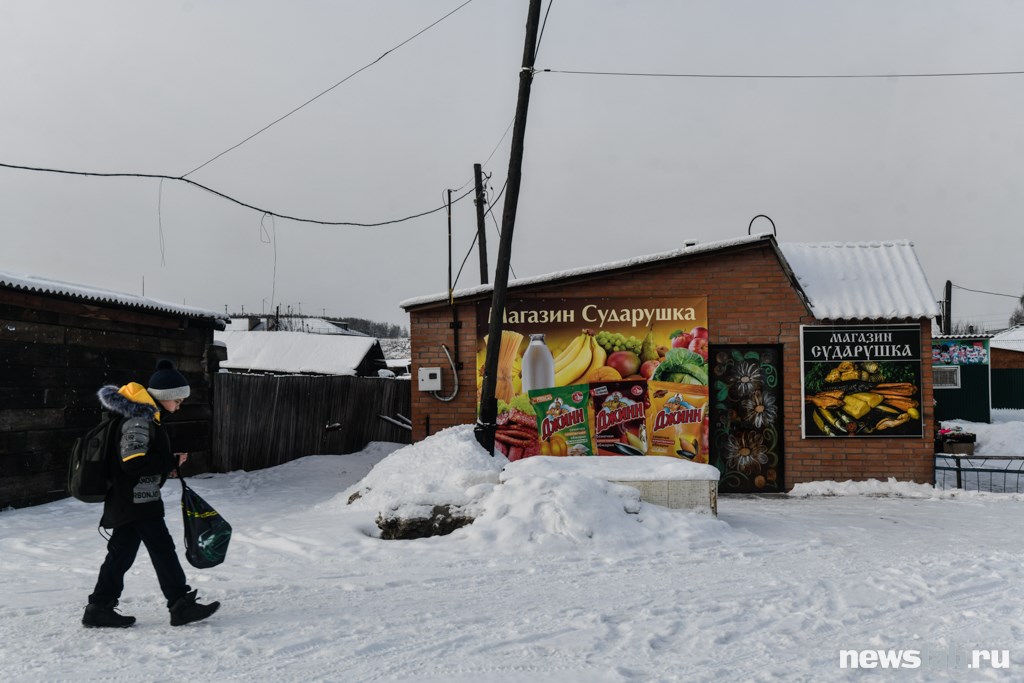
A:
[144, 457]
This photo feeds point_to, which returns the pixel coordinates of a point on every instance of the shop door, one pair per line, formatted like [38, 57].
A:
[745, 398]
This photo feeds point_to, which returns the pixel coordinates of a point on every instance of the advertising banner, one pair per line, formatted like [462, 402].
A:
[606, 376]
[959, 352]
[861, 381]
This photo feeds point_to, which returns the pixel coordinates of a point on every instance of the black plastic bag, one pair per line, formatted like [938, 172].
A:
[206, 533]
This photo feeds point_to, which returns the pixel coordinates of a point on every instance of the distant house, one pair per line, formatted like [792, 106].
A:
[1008, 368]
[59, 343]
[301, 353]
[1008, 348]
[293, 323]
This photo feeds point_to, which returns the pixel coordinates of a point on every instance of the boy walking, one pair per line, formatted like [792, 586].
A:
[133, 508]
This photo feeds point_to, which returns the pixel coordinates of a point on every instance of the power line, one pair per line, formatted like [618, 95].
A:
[265, 212]
[312, 99]
[980, 291]
[780, 76]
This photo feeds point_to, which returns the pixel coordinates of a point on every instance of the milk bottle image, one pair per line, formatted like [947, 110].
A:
[538, 365]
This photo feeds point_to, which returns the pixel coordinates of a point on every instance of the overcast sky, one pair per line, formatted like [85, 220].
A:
[615, 167]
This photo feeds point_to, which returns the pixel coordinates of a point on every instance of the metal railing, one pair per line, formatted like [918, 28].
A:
[992, 473]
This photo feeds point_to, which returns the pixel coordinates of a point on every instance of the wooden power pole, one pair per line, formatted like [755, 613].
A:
[486, 425]
[481, 224]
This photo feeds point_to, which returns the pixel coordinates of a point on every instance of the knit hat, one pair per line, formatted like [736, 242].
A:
[167, 384]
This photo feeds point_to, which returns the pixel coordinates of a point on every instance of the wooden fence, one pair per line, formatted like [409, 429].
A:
[265, 420]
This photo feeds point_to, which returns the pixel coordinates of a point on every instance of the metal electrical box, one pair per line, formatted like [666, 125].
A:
[430, 379]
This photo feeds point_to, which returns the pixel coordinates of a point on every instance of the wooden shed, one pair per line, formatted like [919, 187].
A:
[59, 343]
[782, 330]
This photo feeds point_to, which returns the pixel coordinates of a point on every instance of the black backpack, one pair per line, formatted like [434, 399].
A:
[90, 471]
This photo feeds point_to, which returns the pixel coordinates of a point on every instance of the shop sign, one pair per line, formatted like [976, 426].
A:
[600, 376]
[861, 381]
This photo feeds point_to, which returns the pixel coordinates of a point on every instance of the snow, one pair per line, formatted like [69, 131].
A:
[329, 354]
[1011, 339]
[615, 469]
[33, 283]
[862, 280]
[690, 249]
[563, 577]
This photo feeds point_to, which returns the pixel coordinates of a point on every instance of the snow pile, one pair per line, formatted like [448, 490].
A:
[540, 504]
[447, 468]
[614, 468]
[561, 510]
[1004, 436]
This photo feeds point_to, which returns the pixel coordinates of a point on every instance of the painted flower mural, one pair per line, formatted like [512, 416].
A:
[760, 409]
[746, 452]
[746, 412]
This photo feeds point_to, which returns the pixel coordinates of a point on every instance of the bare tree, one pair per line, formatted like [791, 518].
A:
[1017, 317]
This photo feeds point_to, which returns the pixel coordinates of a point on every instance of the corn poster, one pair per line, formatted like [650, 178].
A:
[862, 381]
[563, 360]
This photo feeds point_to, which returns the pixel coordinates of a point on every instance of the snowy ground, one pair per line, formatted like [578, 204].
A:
[554, 582]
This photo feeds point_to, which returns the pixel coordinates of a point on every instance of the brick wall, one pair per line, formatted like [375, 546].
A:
[750, 301]
[1005, 359]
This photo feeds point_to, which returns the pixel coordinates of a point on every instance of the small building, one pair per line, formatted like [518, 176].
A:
[1007, 349]
[59, 343]
[962, 371]
[301, 353]
[801, 362]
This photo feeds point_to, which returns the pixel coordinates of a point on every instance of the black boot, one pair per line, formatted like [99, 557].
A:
[105, 616]
[185, 610]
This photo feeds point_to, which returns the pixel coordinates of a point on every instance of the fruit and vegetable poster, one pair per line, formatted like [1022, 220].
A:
[607, 376]
[862, 381]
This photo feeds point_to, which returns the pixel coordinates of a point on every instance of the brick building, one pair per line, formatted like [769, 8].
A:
[793, 317]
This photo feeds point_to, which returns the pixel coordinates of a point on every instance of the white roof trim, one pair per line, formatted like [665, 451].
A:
[32, 283]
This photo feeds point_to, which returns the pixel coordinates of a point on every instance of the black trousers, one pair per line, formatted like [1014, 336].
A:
[122, 548]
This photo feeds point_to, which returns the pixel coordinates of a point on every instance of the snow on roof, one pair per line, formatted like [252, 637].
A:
[1010, 340]
[862, 280]
[326, 354]
[689, 249]
[32, 283]
[315, 326]
[840, 280]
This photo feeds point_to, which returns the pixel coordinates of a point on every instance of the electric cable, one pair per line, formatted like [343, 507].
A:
[980, 291]
[266, 212]
[540, 36]
[311, 100]
[779, 76]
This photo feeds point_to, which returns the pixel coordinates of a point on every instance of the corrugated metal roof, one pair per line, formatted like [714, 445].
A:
[32, 283]
[1010, 340]
[862, 280]
[839, 280]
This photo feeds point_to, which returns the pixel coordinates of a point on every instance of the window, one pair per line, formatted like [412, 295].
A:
[946, 376]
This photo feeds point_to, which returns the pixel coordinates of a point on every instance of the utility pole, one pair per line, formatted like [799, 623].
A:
[947, 308]
[481, 226]
[450, 299]
[486, 423]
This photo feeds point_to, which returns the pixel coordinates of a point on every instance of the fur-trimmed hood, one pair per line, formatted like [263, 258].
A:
[131, 400]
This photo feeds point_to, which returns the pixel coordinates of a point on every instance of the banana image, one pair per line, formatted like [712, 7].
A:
[597, 361]
[571, 351]
[575, 366]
